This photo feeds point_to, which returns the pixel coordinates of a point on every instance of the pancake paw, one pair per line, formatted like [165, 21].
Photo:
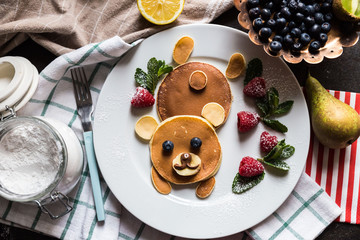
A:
[160, 184]
[205, 188]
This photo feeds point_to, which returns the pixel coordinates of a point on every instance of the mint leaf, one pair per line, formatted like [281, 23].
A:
[275, 152]
[241, 184]
[164, 69]
[284, 107]
[287, 152]
[149, 80]
[272, 97]
[254, 69]
[275, 124]
[279, 164]
[263, 105]
[275, 158]
[153, 66]
[140, 77]
[151, 83]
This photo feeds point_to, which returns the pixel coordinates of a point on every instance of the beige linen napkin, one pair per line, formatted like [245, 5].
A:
[65, 25]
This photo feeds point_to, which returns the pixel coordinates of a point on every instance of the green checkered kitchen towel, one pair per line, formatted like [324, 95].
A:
[304, 215]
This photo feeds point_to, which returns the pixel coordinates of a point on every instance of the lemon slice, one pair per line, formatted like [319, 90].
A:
[160, 12]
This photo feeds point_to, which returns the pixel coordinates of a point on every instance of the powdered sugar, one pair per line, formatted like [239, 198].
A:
[29, 159]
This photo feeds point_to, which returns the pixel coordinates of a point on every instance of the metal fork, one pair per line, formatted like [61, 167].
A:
[85, 109]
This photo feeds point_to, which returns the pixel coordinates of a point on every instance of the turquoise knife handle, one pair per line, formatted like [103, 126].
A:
[94, 175]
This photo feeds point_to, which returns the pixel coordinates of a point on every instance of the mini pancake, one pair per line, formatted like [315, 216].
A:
[177, 97]
[180, 130]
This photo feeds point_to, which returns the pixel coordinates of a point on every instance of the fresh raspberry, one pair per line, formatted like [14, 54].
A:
[250, 167]
[142, 98]
[255, 88]
[247, 120]
[267, 142]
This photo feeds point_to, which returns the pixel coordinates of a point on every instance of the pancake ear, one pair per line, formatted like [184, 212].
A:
[214, 113]
[145, 127]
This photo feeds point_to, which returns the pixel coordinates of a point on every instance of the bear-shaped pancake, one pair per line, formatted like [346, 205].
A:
[193, 100]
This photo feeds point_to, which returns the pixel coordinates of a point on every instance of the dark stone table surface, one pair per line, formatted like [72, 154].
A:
[342, 73]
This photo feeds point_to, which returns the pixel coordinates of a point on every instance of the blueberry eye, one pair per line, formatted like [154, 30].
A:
[195, 142]
[168, 146]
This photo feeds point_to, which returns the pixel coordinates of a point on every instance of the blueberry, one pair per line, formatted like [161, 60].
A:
[271, 23]
[280, 23]
[168, 146]
[195, 142]
[265, 14]
[301, 7]
[328, 17]
[288, 40]
[329, 1]
[252, 3]
[323, 39]
[314, 46]
[258, 23]
[265, 33]
[309, 10]
[278, 38]
[296, 47]
[299, 17]
[305, 39]
[283, 3]
[284, 31]
[315, 30]
[269, 5]
[295, 32]
[317, 7]
[325, 27]
[292, 5]
[325, 7]
[319, 18]
[275, 46]
[254, 13]
[303, 27]
[277, 15]
[291, 24]
[309, 21]
[277, 2]
[285, 12]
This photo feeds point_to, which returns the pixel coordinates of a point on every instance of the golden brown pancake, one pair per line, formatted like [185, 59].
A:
[176, 97]
[180, 130]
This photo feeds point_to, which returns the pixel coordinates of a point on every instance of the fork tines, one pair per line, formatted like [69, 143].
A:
[81, 87]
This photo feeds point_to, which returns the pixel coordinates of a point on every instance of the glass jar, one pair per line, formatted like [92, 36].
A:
[30, 180]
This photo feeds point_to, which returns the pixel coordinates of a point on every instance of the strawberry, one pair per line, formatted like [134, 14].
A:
[250, 167]
[267, 142]
[142, 98]
[255, 88]
[247, 120]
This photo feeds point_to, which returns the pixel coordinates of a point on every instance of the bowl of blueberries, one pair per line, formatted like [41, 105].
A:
[296, 29]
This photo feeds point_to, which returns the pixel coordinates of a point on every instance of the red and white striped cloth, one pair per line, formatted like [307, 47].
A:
[337, 171]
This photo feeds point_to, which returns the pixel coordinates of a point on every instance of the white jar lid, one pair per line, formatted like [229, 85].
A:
[11, 74]
[20, 80]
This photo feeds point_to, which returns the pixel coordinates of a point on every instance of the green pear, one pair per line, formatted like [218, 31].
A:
[335, 123]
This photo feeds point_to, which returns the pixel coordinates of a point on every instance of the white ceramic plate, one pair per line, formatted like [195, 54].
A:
[125, 163]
